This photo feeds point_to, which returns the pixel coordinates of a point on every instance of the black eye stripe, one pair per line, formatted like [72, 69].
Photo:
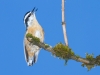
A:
[26, 14]
[27, 18]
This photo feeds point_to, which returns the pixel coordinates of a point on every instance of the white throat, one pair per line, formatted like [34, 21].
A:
[31, 20]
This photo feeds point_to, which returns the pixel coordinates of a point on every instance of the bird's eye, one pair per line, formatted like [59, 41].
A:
[27, 17]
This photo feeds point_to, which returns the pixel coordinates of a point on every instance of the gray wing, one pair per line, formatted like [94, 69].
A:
[31, 53]
[25, 51]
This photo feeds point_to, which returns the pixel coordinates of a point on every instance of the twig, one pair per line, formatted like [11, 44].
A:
[64, 52]
[50, 49]
[64, 24]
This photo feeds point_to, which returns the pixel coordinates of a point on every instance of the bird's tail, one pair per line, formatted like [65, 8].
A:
[32, 60]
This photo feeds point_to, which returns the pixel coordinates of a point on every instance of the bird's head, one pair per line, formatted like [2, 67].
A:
[29, 17]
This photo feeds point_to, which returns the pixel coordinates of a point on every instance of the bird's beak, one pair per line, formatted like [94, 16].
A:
[33, 10]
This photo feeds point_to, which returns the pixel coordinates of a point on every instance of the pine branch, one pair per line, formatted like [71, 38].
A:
[64, 52]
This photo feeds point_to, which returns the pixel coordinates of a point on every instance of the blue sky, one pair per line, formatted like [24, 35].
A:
[83, 30]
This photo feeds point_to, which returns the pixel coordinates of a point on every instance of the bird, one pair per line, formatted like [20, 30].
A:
[33, 27]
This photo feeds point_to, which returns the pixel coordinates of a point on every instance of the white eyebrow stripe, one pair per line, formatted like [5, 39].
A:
[26, 16]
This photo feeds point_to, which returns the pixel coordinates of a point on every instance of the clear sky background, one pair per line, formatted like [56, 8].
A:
[83, 30]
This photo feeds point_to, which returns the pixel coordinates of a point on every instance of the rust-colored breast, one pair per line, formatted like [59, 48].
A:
[32, 29]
